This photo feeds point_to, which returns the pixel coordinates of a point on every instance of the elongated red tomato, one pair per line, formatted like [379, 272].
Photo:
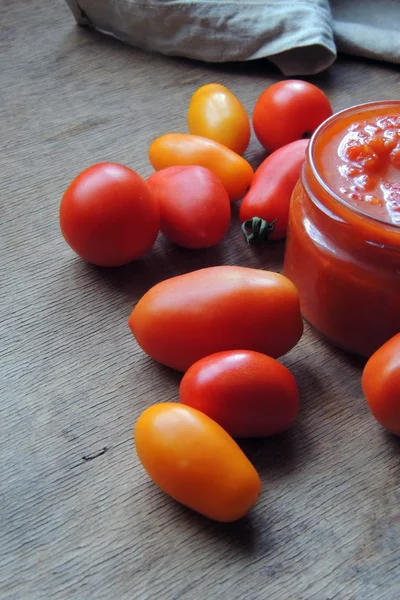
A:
[195, 210]
[108, 215]
[187, 317]
[381, 384]
[249, 394]
[194, 460]
[287, 111]
[216, 113]
[271, 190]
[175, 149]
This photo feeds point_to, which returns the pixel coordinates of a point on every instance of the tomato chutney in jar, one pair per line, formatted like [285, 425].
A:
[343, 243]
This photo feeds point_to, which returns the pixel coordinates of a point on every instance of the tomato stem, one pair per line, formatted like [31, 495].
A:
[257, 230]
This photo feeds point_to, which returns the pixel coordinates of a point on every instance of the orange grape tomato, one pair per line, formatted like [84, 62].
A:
[216, 113]
[196, 462]
[174, 149]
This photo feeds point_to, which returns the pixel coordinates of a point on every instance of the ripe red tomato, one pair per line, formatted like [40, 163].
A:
[248, 393]
[271, 190]
[287, 111]
[381, 384]
[215, 113]
[196, 462]
[173, 149]
[108, 215]
[187, 317]
[195, 209]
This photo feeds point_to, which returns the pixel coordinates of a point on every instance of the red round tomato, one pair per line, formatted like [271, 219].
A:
[288, 111]
[381, 384]
[270, 192]
[108, 215]
[249, 394]
[195, 209]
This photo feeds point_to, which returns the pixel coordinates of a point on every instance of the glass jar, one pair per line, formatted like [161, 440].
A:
[342, 253]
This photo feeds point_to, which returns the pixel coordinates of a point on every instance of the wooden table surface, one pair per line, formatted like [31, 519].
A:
[79, 517]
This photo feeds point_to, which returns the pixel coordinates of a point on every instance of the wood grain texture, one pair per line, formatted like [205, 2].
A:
[79, 526]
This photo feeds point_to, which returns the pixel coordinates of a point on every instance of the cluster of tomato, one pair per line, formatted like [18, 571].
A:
[223, 327]
[110, 215]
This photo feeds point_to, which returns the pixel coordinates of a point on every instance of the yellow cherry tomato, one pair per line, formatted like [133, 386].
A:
[216, 113]
[196, 462]
[174, 149]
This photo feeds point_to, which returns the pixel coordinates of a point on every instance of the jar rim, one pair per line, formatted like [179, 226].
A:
[357, 108]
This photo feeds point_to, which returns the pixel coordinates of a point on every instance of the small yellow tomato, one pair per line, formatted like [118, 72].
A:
[216, 113]
[196, 462]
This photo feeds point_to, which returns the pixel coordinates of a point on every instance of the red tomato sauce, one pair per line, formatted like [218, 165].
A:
[343, 244]
[360, 161]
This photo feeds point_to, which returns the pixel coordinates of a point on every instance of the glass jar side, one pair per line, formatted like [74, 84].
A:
[349, 286]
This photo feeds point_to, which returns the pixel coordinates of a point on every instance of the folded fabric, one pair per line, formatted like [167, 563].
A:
[367, 28]
[300, 37]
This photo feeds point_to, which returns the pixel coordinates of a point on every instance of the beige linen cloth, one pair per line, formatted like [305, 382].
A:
[300, 37]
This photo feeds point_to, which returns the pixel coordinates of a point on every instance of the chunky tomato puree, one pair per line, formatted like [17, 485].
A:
[360, 161]
[343, 245]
